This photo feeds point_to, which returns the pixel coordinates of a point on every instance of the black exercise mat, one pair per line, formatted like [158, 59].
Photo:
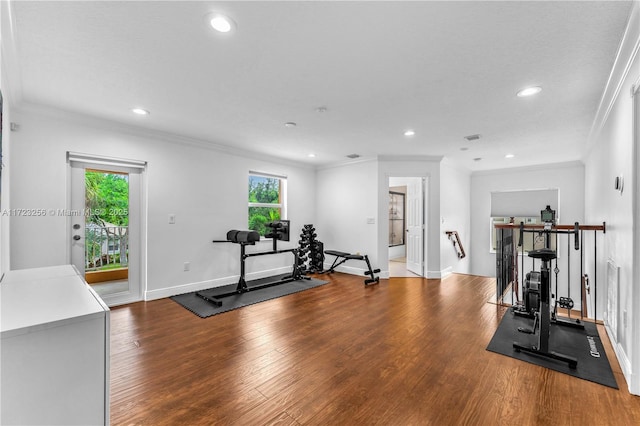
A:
[205, 309]
[565, 340]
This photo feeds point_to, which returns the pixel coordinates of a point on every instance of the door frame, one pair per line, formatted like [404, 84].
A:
[425, 212]
[138, 272]
[634, 381]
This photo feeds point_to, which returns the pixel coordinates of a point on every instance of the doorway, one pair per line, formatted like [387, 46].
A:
[105, 227]
[406, 227]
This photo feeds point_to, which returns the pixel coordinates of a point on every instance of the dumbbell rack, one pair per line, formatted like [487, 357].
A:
[311, 252]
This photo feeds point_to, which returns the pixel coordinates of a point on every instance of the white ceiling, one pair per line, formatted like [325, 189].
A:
[445, 69]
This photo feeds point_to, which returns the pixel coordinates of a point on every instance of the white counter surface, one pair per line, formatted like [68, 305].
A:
[29, 305]
[39, 273]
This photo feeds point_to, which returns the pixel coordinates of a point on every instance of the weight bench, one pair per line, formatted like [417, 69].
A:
[342, 257]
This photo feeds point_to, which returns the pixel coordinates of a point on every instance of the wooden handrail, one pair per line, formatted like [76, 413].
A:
[457, 244]
[602, 227]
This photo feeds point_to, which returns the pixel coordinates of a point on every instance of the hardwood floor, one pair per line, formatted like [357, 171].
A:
[408, 351]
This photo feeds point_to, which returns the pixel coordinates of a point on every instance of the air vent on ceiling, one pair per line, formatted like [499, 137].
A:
[353, 156]
[472, 137]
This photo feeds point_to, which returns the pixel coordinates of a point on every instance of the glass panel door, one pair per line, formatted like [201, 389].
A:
[107, 231]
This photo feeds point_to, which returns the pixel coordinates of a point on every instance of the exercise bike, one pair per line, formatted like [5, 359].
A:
[543, 317]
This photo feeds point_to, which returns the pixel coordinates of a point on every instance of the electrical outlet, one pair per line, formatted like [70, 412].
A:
[172, 219]
[187, 266]
[371, 220]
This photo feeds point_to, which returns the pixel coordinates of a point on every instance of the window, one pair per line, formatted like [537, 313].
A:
[267, 195]
[521, 206]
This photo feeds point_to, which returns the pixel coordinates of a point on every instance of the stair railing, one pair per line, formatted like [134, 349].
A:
[457, 244]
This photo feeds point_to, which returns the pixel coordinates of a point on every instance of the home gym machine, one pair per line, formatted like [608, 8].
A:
[279, 232]
[543, 316]
[511, 281]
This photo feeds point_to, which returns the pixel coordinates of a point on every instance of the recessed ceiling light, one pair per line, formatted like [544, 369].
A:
[321, 109]
[140, 111]
[410, 132]
[472, 137]
[509, 156]
[477, 159]
[464, 148]
[221, 23]
[312, 155]
[529, 91]
[290, 124]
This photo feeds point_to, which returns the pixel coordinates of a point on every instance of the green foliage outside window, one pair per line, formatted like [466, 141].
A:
[260, 216]
[265, 203]
[107, 217]
[107, 198]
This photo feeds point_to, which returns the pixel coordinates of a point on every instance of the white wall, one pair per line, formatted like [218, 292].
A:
[613, 154]
[206, 190]
[568, 178]
[359, 191]
[347, 196]
[455, 215]
[4, 177]
[5, 205]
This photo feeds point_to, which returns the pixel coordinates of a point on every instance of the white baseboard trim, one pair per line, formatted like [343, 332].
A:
[623, 360]
[357, 271]
[218, 282]
[446, 272]
[203, 285]
[385, 274]
[634, 384]
[348, 270]
[431, 275]
[625, 365]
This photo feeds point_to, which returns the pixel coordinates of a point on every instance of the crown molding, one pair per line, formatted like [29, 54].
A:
[418, 158]
[625, 57]
[538, 167]
[345, 163]
[11, 70]
[136, 131]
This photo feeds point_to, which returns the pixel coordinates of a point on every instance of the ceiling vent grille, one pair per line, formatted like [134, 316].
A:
[472, 137]
[353, 156]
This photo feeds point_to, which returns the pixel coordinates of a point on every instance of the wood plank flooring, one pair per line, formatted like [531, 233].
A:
[408, 351]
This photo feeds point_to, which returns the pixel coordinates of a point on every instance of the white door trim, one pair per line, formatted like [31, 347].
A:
[422, 271]
[137, 226]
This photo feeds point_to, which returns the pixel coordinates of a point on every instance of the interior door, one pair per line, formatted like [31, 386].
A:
[415, 226]
[106, 254]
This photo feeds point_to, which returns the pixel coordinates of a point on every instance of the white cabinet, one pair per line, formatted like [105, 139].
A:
[54, 365]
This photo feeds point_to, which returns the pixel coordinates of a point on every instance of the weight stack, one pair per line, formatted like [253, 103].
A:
[311, 253]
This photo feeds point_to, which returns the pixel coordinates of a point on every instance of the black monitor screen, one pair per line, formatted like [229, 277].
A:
[548, 215]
